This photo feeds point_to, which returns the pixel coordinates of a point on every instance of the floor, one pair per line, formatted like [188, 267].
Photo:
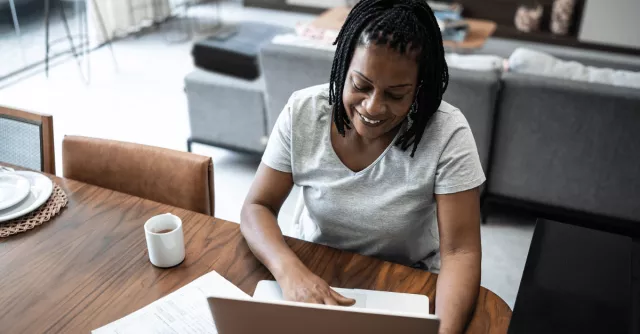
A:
[140, 99]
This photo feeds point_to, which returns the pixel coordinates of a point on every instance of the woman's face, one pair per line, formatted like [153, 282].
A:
[379, 89]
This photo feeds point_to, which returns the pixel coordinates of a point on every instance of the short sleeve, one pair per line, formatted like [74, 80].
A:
[277, 155]
[459, 167]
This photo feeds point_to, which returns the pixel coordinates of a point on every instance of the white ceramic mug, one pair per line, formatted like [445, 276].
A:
[165, 240]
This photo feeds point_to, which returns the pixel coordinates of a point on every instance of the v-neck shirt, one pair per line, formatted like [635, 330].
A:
[388, 209]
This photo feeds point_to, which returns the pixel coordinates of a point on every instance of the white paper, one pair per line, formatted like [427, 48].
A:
[184, 311]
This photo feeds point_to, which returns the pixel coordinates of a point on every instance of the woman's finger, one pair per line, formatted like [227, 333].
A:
[342, 300]
[330, 301]
[312, 300]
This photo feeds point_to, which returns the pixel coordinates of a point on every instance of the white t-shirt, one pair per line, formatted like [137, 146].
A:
[386, 210]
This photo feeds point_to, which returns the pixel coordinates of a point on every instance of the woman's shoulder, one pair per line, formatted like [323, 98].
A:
[450, 112]
[443, 125]
[314, 96]
[309, 105]
[448, 118]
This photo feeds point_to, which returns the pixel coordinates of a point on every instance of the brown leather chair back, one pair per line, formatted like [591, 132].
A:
[171, 177]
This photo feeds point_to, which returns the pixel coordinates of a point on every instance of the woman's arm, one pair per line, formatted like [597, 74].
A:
[460, 253]
[259, 227]
[258, 219]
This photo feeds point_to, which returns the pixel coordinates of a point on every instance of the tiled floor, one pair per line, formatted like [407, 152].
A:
[142, 100]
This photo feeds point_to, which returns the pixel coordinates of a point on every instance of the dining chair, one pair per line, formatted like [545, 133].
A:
[26, 140]
[180, 179]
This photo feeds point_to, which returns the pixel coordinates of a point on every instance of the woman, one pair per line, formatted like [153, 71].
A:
[386, 167]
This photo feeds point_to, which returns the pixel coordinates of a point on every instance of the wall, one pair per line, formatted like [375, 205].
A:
[611, 22]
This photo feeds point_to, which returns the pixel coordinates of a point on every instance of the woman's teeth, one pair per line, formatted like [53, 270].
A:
[370, 121]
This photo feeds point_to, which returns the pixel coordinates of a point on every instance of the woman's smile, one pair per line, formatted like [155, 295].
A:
[369, 121]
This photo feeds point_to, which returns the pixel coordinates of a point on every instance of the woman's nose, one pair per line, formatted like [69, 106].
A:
[374, 105]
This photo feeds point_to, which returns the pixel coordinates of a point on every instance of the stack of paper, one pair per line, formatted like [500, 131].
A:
[184, 311]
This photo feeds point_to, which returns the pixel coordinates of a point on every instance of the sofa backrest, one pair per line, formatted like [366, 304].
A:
[475, 94]
[288, 68]
[570, 144]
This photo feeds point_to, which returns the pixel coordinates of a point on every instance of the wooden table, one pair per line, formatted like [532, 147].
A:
[479, 30]
[89, 266]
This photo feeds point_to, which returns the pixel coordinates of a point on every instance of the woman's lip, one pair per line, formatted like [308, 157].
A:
[372, 125]
[371, 118]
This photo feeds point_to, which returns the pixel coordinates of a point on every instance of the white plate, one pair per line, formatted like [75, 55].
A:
[41, 189]
[13, 189]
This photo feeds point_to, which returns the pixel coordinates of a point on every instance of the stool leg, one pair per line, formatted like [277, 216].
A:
[65, 23]
[86, 46]
[16, 27]
[103, 30]
[47, 13]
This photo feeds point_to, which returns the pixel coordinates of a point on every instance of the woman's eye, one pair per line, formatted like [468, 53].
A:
[395, 97]
[356, 87]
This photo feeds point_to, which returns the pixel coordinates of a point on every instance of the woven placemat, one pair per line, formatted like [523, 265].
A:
[43, 214]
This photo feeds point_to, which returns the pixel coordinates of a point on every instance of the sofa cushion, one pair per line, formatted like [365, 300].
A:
[534, 62]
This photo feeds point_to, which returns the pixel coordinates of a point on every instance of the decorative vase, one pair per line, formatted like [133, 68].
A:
[528, 18]
[561, 14]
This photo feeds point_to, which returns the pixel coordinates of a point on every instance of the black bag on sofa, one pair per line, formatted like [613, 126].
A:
[237, 54]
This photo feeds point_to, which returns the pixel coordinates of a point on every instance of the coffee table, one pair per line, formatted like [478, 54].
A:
[578, 280]
[479, 30]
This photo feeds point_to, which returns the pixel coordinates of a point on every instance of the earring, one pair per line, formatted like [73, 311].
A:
[413, 110]
[412, 113]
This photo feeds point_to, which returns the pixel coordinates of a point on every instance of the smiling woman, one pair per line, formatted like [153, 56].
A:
[347, 143]
[390, 108]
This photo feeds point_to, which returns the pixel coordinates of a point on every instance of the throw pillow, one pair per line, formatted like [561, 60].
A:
[528, 61]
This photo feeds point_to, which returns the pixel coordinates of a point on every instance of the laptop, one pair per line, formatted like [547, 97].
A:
[375, 312]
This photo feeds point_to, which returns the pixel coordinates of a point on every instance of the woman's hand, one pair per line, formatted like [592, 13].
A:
[301, 285]
[260, 228]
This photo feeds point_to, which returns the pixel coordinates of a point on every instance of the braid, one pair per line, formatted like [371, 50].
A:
[405, 26]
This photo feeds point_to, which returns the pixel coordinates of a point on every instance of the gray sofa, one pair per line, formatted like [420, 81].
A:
[547, 144]
[557, 144]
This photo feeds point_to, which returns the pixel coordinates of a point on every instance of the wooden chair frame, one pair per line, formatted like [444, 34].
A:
[45, 123]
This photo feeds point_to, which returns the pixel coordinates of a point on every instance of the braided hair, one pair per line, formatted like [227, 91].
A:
[406, 26]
